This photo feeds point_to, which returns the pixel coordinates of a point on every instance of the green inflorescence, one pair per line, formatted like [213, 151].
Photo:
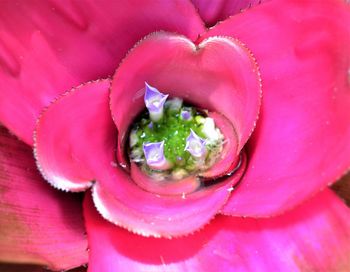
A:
[173, 130]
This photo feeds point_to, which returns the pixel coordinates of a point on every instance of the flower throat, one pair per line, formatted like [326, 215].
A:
[171, 139]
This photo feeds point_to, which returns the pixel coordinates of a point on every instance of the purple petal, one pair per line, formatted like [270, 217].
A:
[154, 101]
[154, 154]
[195, 145]
[186, 114]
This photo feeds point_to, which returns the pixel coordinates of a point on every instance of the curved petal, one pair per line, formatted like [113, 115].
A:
[73, 136]
[228, 157]
[47, 47]
[164, 187]
[313, 237]
[219, 74]
[122, 202]
[214, 11]
[37, 223]
[301, 143]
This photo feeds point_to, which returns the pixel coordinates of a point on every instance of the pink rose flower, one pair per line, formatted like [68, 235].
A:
[274, 80]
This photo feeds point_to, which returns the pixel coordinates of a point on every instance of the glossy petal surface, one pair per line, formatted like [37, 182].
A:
[301, 143]
[163, 187]
[122, 202]
[228, 156]
[219, 75]
[38, 224]
[214, 11]
[47, 47]
[313, 237]
[74, 135]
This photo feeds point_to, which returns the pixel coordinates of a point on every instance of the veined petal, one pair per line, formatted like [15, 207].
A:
[47, 47]
[38, 224]
[301, 143]
[75, 135]
[313, 237]
[219, 74]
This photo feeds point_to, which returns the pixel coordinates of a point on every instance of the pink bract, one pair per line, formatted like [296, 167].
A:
[69, 154]
[301, 141]
[73, 155]
[88, 44]
[275, 79]
[213, 12]
[207, 75]
[232, 243]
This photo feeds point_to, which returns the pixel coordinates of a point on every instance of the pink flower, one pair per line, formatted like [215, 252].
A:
[274, 78]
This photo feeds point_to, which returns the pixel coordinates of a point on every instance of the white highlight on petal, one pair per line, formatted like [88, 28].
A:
[213, 135]
[195, 145]
[154, 154]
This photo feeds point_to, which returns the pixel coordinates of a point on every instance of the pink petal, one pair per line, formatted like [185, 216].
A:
[37, 223]
[219, 74]
[73, 136]
[47, 47]
[302, 140]
[214, 11]
[228, 157]
[313, 237]
[122, 202]
[166, 186]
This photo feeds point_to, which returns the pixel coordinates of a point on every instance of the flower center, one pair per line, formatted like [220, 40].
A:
[172, 139]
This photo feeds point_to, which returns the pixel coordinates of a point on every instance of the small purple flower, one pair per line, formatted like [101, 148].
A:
[186, 114]
[195, 145]
[154, 154]
[154, 101]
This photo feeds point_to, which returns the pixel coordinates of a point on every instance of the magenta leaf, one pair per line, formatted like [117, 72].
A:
[120, 200]
[38, 224]
[301, 143]
[47, 47]
[75, 135]
[213, 12]
[313, 237]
